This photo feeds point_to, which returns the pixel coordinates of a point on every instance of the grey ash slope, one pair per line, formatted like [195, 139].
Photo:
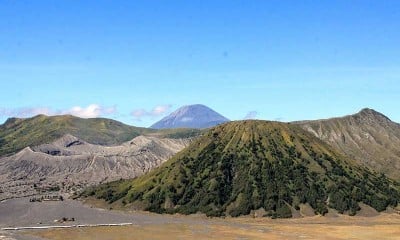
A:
[72, 163]
[191, 116]
[369, 137]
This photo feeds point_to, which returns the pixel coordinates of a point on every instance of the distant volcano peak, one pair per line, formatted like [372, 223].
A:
[191, 116]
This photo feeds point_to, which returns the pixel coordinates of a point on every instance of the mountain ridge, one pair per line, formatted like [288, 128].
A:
[17, 133]
[368, 136]
[363, 112]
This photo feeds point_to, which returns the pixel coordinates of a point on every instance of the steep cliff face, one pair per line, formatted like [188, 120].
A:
[369, 137]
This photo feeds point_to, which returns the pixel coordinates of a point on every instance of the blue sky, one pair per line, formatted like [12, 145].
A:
[136, 61]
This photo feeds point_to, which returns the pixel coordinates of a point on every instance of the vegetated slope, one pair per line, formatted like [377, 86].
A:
[368, 137]
[175, 133]
[70, 163]
[191, 116]
[16, 134]
[247, 165]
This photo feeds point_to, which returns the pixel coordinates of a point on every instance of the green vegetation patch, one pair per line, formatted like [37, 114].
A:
[242, 166]
[16, 134]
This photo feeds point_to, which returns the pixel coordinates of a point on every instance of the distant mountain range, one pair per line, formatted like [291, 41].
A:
[18, 133]
[221, 170]
[191, 116]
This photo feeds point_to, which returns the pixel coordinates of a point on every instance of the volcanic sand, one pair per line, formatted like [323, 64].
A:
[385, 226]
[20, 213]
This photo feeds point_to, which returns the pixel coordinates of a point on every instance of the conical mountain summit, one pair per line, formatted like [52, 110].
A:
[191, 116]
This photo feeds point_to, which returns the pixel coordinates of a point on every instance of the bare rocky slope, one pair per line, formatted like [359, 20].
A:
[69, 163]
[369, 137]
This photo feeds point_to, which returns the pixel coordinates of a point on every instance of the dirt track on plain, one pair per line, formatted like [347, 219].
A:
[20, 213]
[383, 227]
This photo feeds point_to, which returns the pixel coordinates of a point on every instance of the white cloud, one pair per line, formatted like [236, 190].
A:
[251, 115]
[24, 112]
[159, 110]
[138, 113]
[91, 111]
